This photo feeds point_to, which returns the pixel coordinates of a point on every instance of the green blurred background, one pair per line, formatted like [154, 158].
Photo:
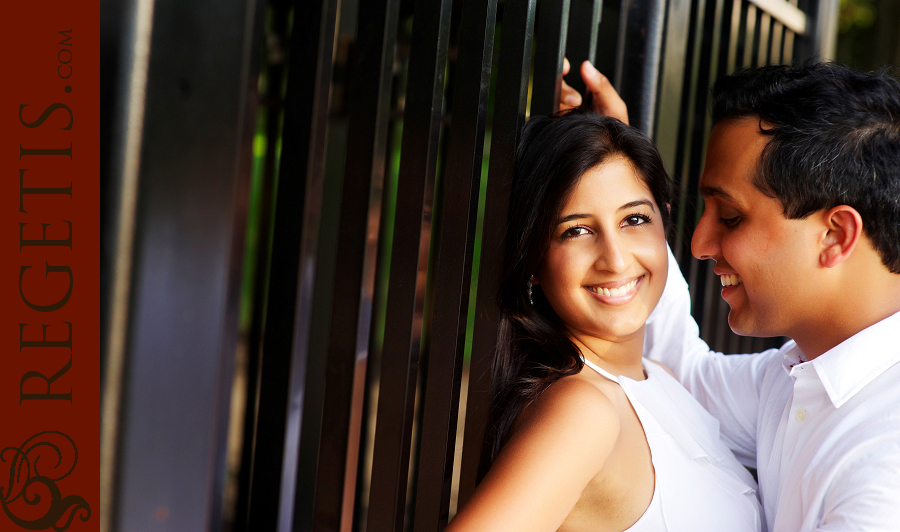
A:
[869, 34]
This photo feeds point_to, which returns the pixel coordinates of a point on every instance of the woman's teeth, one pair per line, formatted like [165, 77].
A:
[620, 291]
[730, 279]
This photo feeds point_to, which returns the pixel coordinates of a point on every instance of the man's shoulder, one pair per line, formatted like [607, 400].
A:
[772, 363]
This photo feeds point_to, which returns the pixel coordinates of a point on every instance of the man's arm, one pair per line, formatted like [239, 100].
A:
[865, 493]
[728, 387]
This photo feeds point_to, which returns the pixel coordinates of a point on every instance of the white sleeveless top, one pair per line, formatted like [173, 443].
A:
[699, 485]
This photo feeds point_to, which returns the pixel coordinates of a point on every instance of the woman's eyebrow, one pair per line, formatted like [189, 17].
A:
[571, 217]
[637, 203]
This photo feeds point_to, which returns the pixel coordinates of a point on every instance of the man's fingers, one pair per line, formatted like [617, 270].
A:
[605, 99]
[568, 97]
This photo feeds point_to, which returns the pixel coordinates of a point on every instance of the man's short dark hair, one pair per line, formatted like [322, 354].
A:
[835, 140]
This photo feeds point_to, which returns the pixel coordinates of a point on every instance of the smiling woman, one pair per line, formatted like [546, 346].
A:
[605, 267]
[607, 448]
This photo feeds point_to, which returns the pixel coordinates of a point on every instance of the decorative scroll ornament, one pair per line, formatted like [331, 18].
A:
[31, 498]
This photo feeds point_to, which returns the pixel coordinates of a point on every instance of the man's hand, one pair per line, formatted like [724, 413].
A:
[604, 98]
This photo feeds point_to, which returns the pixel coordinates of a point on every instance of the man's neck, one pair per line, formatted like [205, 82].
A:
[842, 320]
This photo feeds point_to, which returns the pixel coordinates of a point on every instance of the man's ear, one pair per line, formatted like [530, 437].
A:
[844, 228]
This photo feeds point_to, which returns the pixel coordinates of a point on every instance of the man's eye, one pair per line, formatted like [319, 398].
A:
[636, 219]
[730, 222]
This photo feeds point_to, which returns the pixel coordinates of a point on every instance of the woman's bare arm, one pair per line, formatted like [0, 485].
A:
[560, 443]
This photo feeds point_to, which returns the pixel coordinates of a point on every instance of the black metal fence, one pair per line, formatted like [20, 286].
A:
[304, 207]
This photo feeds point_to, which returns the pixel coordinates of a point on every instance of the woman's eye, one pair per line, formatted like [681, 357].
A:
[575, 231]
[636, 219]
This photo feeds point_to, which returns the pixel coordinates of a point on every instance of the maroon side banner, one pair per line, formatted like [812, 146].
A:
[50, 266]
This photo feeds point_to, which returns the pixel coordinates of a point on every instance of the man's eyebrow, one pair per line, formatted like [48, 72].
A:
[637, 203]
[716, 192]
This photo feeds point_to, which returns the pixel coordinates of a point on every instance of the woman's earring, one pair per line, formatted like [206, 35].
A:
[529, 284]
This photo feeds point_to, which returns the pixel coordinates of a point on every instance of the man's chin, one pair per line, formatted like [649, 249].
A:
[743, 325]
[740, 323]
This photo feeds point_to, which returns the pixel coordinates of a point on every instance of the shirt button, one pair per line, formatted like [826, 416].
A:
[801, 415]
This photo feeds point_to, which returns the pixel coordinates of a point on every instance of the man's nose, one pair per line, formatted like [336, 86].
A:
[705, 242]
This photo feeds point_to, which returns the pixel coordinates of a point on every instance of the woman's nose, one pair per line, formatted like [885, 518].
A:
[612, 255]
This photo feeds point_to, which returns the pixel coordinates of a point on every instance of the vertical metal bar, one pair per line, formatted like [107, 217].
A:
[753, 36]
[790, 37]
[509, 115]
[126, 32]
[820, 39]
[777, 43]
[787, 53]
[180, 339]
[283, 359]
[320, 491]
[306, 385]
[761, 38]
[274, 104]
[454, 264]
[552, 25]
[256, 21]
[731, 31]
[765, 38]
[749, 36]
[581, 38]
[741, 36]
[421, 128]
[638, 57]
[608, 37]
[683, 136]
[674, 79]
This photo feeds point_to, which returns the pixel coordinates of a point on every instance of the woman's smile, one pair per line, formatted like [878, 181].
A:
[606, 264]
[616, 293]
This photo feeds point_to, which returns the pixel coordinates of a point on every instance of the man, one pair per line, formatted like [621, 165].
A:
[801, 187]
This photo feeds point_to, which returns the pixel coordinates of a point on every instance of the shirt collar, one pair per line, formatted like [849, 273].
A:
[849, 366]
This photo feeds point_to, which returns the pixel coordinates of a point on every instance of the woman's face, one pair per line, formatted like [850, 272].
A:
[606, 265]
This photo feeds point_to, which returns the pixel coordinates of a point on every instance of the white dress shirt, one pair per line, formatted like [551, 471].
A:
[824, 435]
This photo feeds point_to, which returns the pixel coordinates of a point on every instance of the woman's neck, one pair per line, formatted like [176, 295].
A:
[619, 356]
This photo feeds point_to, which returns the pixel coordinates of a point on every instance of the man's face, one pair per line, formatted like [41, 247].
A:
[766, 262]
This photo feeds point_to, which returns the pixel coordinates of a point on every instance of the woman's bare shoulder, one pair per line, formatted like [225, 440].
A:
[572, 407]
[557, 446]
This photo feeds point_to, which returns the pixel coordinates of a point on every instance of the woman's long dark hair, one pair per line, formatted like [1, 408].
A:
[532, 349]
